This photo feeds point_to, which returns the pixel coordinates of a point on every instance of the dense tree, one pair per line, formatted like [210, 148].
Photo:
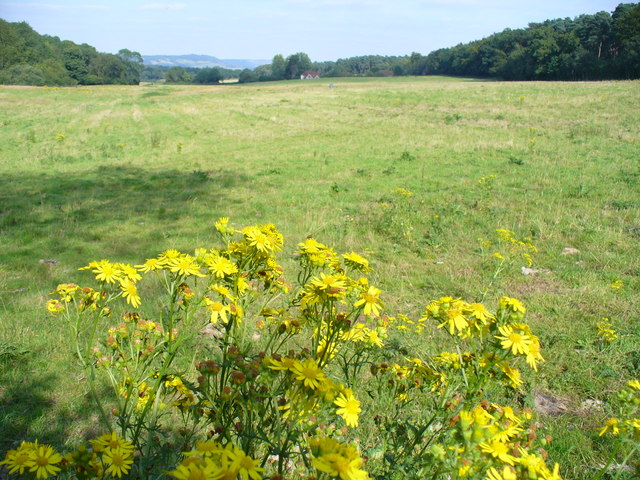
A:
[296, 64]
[134, 64]
[278, 67]
[208, 76]
[177, 75]
[247, 76]
[595, 46]
[60, 62]
[22, 74]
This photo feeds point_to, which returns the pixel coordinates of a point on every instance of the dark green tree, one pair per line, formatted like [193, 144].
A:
[297, 64]
[247, 76]
[177, 75]
[208, 76]
[134, 64]
[278, 67]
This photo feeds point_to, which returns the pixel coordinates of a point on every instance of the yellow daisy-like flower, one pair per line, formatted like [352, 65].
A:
[374, 338]
[241, 463]
[480, 312]
[513, 374]
[518, 343]
[371, 302]
[107, 272]
[129, 272]
[222, 226]
[514, 306]
[455, 320]
[331, 285]
[357, 262]
[342, 466]
[349, 407]
[66, 291]
[130, 293]
[169, 254]
[150, 265]
[611, 425]
[43, 460]
[54, 307]
[309, 373]
[221, 266]
[635, 384]
[259, 240]
[286, 363]
[193, 468]
[16, 460]
[533, 355]
[118, 460]
[206, 449]
[113, 441]
[185, 265]
[311, 247]
[507, 473]
[218, 310]
[534, 464]
[497, 450]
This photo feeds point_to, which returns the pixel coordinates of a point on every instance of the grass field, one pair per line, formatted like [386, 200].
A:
[126, 172]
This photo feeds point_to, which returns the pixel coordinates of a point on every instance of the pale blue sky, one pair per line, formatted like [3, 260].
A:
[259, 29]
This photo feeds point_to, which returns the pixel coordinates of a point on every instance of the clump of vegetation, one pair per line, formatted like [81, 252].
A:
[251, 376]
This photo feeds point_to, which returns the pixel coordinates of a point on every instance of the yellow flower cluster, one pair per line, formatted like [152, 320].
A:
[110, 456]
[486, 180]
[617, 285]
[627, 423]
[495, 441]
[278, 367]
[606, 331]
[500, 338]
[312, 386]
[509, 247]
[403, 192]
[84, 298]
[212, 461]
[336, 460]
[33, 457]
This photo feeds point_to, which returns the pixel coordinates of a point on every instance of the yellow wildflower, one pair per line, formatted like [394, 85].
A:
[371, 301]
[518, 343]
[308, 373]
[357, 262]
[349, 407]
[130, 293]
[611, 425]
[497, 450]
[43, 460]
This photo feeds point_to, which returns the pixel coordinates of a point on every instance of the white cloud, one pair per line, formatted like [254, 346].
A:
[164, 6]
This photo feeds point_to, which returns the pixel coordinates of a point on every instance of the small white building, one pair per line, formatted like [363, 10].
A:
[308, 75]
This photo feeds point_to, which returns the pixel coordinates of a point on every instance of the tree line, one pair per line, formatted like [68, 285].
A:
[28, 58]
[589, 47]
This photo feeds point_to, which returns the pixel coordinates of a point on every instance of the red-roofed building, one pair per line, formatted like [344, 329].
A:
[308, 75]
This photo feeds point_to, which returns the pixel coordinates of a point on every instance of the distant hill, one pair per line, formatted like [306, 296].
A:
[201, 61]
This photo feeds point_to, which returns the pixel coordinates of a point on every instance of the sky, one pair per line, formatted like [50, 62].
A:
[260, 29]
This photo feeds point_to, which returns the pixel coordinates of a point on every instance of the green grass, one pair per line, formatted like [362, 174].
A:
[143, 169]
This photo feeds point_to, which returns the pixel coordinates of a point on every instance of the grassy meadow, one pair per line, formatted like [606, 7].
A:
[123, 173]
